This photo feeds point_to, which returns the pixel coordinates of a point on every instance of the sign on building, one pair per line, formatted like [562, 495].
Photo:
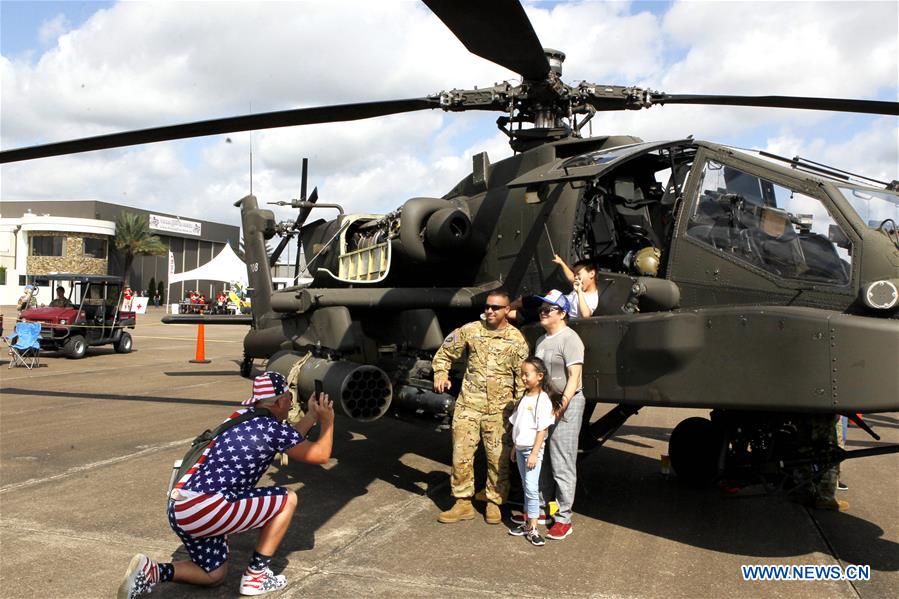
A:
[175, 225]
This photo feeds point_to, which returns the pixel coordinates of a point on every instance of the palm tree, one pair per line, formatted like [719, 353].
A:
[133, 238]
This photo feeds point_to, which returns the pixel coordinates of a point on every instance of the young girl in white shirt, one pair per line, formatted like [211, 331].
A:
[532, 418]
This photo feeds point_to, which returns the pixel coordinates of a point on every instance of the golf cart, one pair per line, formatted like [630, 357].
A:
[89, 315]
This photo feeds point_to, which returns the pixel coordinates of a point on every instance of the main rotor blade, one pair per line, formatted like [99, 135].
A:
[835, 104]
[265, 120]
[498, 30]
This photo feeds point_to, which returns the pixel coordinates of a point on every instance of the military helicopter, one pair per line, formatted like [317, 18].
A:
[761, 287]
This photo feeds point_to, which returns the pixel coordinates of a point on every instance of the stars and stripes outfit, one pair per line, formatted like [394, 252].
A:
[219, 495]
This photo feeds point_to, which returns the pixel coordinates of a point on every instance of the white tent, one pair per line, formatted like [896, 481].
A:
[226, 266]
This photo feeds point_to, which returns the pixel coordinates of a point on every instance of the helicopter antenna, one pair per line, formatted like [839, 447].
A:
[799, 162]
[251, 153]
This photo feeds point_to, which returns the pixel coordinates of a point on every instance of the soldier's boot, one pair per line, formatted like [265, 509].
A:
[463, 510]
[831, 503]
[492, 515]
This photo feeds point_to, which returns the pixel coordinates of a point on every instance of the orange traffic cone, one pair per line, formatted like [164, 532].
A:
[201, 346]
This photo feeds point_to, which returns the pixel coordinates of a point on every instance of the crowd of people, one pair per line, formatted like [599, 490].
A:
[195, 302]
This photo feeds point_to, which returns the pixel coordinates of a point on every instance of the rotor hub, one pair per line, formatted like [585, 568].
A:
[555, 58]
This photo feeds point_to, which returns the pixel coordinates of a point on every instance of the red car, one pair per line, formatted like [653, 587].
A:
[89, 316]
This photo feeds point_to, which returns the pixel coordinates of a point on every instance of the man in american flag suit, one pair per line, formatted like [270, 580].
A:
[218, 496]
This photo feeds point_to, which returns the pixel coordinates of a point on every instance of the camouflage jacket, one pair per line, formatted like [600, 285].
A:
[26, 303]
[491, 379]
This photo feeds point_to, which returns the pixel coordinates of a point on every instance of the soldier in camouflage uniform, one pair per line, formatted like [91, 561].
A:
[489, 388]
[27, 300]
[819, 489]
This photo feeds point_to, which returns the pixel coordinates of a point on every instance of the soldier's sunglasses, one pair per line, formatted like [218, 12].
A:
[494, 307]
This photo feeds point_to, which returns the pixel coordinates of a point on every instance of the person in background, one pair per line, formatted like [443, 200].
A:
[818, 485]
[61, 301]
[127, 298]
[842, 433]
[27, 299]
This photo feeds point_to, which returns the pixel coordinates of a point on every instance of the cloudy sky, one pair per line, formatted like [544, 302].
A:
[72, 69]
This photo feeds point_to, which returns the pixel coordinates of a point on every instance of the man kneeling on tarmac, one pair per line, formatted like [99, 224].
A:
[218, 496]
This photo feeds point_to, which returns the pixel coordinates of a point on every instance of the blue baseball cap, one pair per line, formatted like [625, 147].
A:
[556, 298]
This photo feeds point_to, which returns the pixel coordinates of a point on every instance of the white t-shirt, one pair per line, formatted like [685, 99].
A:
[591, 297]
[532, 414]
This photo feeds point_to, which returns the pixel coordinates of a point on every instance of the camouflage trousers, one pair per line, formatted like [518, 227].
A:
[469, 428]
[824, 430]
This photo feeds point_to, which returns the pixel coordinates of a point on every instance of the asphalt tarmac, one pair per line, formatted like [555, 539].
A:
[86, 450]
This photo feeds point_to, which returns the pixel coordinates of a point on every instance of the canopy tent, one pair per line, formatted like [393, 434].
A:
[226, 266]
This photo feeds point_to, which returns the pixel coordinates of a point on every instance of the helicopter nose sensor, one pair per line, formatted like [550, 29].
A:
[882, 295]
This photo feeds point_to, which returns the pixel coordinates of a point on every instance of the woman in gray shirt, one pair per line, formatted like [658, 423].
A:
[563, 352]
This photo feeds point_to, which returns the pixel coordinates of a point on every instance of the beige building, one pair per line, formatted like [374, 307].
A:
[41, 244]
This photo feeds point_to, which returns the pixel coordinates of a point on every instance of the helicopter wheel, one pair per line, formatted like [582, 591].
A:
[246, 367]
[694, 447]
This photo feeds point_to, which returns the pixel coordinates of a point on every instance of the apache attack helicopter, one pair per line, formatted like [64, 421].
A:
[761, 287]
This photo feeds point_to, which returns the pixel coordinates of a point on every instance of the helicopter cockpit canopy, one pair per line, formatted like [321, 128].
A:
[783, 231]
[874, 207]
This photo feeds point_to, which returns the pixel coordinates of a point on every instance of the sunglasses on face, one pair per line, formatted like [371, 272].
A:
[494, 307]
[549, 309]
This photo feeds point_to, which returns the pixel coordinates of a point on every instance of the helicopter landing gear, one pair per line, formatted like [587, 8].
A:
[695, 447]
[246, 367]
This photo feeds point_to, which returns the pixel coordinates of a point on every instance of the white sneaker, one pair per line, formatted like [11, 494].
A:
[137, 577]
[542, 519]
[261, 583]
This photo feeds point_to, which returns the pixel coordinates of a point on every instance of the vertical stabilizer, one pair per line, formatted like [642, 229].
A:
[258, 227]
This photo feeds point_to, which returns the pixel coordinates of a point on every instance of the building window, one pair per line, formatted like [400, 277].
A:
[45, 245]
[95, 248]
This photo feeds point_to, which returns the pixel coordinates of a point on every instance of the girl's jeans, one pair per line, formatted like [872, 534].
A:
[530, 480]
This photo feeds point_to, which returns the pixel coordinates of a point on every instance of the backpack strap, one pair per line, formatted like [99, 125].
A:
[188, 464]
[231, 423]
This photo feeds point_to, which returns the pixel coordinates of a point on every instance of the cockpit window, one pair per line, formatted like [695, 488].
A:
[873, 206]
[603, 156]
[777, 229]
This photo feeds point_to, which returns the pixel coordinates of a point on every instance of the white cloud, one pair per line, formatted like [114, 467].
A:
[880, 162]
[51, 29]
[141, 64]
[603, 43]
[836, 49]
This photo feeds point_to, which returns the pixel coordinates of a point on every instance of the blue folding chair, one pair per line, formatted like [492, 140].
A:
[25, 345]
